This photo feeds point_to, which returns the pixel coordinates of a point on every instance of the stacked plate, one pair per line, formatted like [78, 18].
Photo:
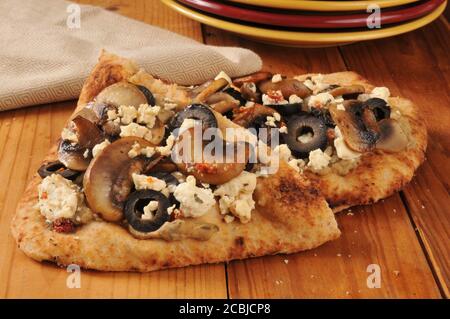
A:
[312, 23]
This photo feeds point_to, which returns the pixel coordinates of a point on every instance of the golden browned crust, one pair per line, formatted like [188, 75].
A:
[379, 174]
[109, 70]
[289, 217]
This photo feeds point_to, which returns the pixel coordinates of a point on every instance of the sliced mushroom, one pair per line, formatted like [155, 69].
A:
[348, 90]
[287, 87]
[88, 134]
[56, 167]
[222, 102]
[393, 138]
[134, 211]
[102, 174]
[247, 115]
[305, 134]
[121, 93]
[254, 78]
[250, 92]
[206, 168]
[379, 107]
[235, 94]
[357, 125]
[212, 88]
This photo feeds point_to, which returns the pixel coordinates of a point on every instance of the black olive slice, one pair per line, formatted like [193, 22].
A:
[259, 122]
[287, 109]
[235, 95]
[299, 125]
[57, 167]
[148, 95]
[134, 209]
[324, 115]
[199, 112]
[379, 107]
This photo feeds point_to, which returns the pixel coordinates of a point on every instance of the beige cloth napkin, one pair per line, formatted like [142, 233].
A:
[42, 60]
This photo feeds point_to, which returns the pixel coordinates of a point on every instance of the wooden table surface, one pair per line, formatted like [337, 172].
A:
[407, 234]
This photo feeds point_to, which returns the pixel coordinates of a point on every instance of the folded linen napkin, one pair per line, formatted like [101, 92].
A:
[46, 51]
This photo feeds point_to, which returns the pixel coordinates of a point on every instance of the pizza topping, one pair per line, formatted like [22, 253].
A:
[252, 78]
[148, 94]
[121, 93]
[379, 107]
[99, 147]
[194, 201]
[342, 150]
[223, 102]
[250, 92]
[318, 159]
[56, 167]
[213, 87]
[321, 100]
[315, 84]
[236, 196]
[109, 177]
[198, 112]
[347, 91]
[61, 198]
[63, 225]
[393, 138]
[146, 211]
[286, 87]
[377, 92]
[305, 133]
[69, 135]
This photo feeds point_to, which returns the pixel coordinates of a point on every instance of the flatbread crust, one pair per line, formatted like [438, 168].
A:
[290, 216]
[379, 174]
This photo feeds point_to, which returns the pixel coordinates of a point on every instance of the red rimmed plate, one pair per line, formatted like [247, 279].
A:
[312, 20]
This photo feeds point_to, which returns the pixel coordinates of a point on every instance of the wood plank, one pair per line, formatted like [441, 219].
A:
[25, 137]
[416, 65]
[380, 234]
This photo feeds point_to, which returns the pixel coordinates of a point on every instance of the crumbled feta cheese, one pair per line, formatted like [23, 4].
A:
[223, 75]
[270, 121]
[305, 138]
[134, 129]
[149, 210]
[99, 147]
[194, 201]
[171, 209]
[236, 196]
[148, 182]
[277, 116]
[112, 115]
[127, 114]
[61, 198]
[342, 150]
[381, 93]
[276, 99]
[396, 115]
[69, 135]
[86, 153]
[320, 100]
[137, 150]
[297, 164]
[249, 104]
[167, 149]
[340, 107]
[147, 115]
[228, 218]
[293, 99]
[318, 159]
[316, 83]
[277, 78]
[283, 129]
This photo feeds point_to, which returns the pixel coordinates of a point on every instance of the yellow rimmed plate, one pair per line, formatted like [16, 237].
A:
[304, 39]
[324, 5]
